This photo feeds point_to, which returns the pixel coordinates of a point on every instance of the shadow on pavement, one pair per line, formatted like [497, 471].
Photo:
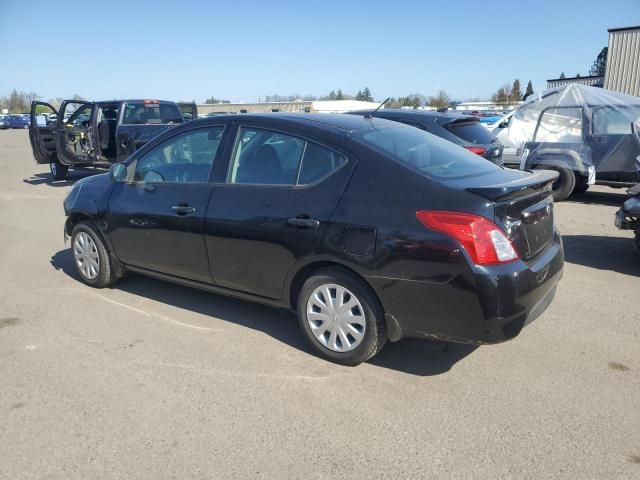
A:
[613, 199]
[416, 357]
[47, 178]
[617, 254]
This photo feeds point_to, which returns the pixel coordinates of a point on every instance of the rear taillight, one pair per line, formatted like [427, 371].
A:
[477, 150]
[483, 240]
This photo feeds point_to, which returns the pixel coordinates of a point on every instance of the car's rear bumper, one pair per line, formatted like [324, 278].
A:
[480, 305]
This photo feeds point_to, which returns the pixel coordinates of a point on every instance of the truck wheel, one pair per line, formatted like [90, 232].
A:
[91, 257]
[581, 185]
[566, 183]
[59, 171]
[341, 317]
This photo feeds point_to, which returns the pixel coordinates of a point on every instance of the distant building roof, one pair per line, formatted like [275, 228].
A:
[589, 80]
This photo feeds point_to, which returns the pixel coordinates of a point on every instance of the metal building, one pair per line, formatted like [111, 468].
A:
[623, 61]
[589, 80]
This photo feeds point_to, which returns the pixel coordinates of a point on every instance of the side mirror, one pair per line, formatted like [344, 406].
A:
[118, 172]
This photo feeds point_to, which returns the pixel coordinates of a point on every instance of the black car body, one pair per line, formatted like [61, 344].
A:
[98, 133]
[464, 130]
[259, 206]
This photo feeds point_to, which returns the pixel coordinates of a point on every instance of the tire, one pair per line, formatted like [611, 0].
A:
[347, 348]
[581, 185]
[26, 126]
[88, 254]
[564, 186]
[59, 171]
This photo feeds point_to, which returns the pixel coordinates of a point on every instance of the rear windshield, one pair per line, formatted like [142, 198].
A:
[425, 152]
[472, 132]
[151, 113]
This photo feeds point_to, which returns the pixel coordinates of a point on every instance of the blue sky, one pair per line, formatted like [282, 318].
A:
[245, 50]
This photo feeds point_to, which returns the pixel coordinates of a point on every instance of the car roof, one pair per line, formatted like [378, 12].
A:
[334, 122]
[412, 113]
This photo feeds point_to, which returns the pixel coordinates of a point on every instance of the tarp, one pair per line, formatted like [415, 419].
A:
[590, 126]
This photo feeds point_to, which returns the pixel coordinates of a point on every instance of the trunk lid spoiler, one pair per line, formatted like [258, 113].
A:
[512, 188]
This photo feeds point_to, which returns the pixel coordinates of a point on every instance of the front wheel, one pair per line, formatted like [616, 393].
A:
[26, 127]
[91, 257]
[58, 170]
[341, 317]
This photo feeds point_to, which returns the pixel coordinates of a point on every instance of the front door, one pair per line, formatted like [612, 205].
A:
[75, 140]
[156, 218]
[279, 193]
[42, 132]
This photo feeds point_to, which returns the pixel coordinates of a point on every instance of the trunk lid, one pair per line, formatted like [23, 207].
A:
[523, 206]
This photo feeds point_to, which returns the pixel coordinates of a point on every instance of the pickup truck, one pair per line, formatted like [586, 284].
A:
[97, 134]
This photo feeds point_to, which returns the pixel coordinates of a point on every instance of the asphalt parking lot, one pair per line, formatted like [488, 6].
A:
[152, 380]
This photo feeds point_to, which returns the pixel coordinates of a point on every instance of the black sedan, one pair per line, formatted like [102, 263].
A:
[370, 229]
[464, 130]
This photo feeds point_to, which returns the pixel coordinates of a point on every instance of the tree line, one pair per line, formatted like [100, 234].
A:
[598, 67]
[20, 102]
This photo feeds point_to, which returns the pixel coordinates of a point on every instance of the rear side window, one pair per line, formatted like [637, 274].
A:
[425, 152]
[615, 120]
[264, 157]
[143, 113]
[472, 132]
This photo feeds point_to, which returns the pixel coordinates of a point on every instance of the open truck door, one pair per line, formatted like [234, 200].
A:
[42, 133]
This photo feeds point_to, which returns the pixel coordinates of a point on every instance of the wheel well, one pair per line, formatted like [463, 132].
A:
[73, 220]
[308, 270]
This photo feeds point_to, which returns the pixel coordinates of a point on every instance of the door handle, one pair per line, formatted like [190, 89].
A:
[183, 209]
[301, 222]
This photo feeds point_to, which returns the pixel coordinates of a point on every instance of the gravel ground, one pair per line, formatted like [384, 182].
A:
[153, 380]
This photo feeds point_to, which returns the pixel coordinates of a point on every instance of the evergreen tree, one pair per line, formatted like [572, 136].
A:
[359, 95]
[516, 93]
[600, 64]
[562, 75]
[366, 95]
[529, 91]
[332, 95]
[339, 95]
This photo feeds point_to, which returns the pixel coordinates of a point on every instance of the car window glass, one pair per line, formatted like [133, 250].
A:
[185, 158]
[425, 152]
[560, 125]
[614, 120]
[472, 132]
[151, 112]
[318, 162]
[266, 157]
[80, 118]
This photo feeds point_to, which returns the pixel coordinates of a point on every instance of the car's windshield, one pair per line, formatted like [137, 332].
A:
[472, 132]
[426, 153]
[151, 113]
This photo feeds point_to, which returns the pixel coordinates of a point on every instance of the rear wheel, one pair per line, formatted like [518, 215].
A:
[58, 170]
[581, 185]
[564, 185]
[341, 317]
[91, 257]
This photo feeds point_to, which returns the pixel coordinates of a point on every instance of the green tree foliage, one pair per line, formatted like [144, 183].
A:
[516, 93]
[529, 91]
[562, 75]
[600, 64]
[339, 95]
[211, 100]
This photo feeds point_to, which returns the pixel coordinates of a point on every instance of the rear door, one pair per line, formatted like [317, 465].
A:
[42, 132]
[614, 150]
[280, 190]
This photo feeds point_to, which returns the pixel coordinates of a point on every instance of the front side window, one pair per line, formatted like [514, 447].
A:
[560, 125]
[151, 112]
[264, 157]
[184, 158]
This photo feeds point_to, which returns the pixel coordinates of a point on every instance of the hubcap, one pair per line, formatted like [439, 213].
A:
[336, 317]
[86, 255]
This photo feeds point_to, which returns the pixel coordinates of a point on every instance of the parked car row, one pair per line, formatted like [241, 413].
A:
[14, 121]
